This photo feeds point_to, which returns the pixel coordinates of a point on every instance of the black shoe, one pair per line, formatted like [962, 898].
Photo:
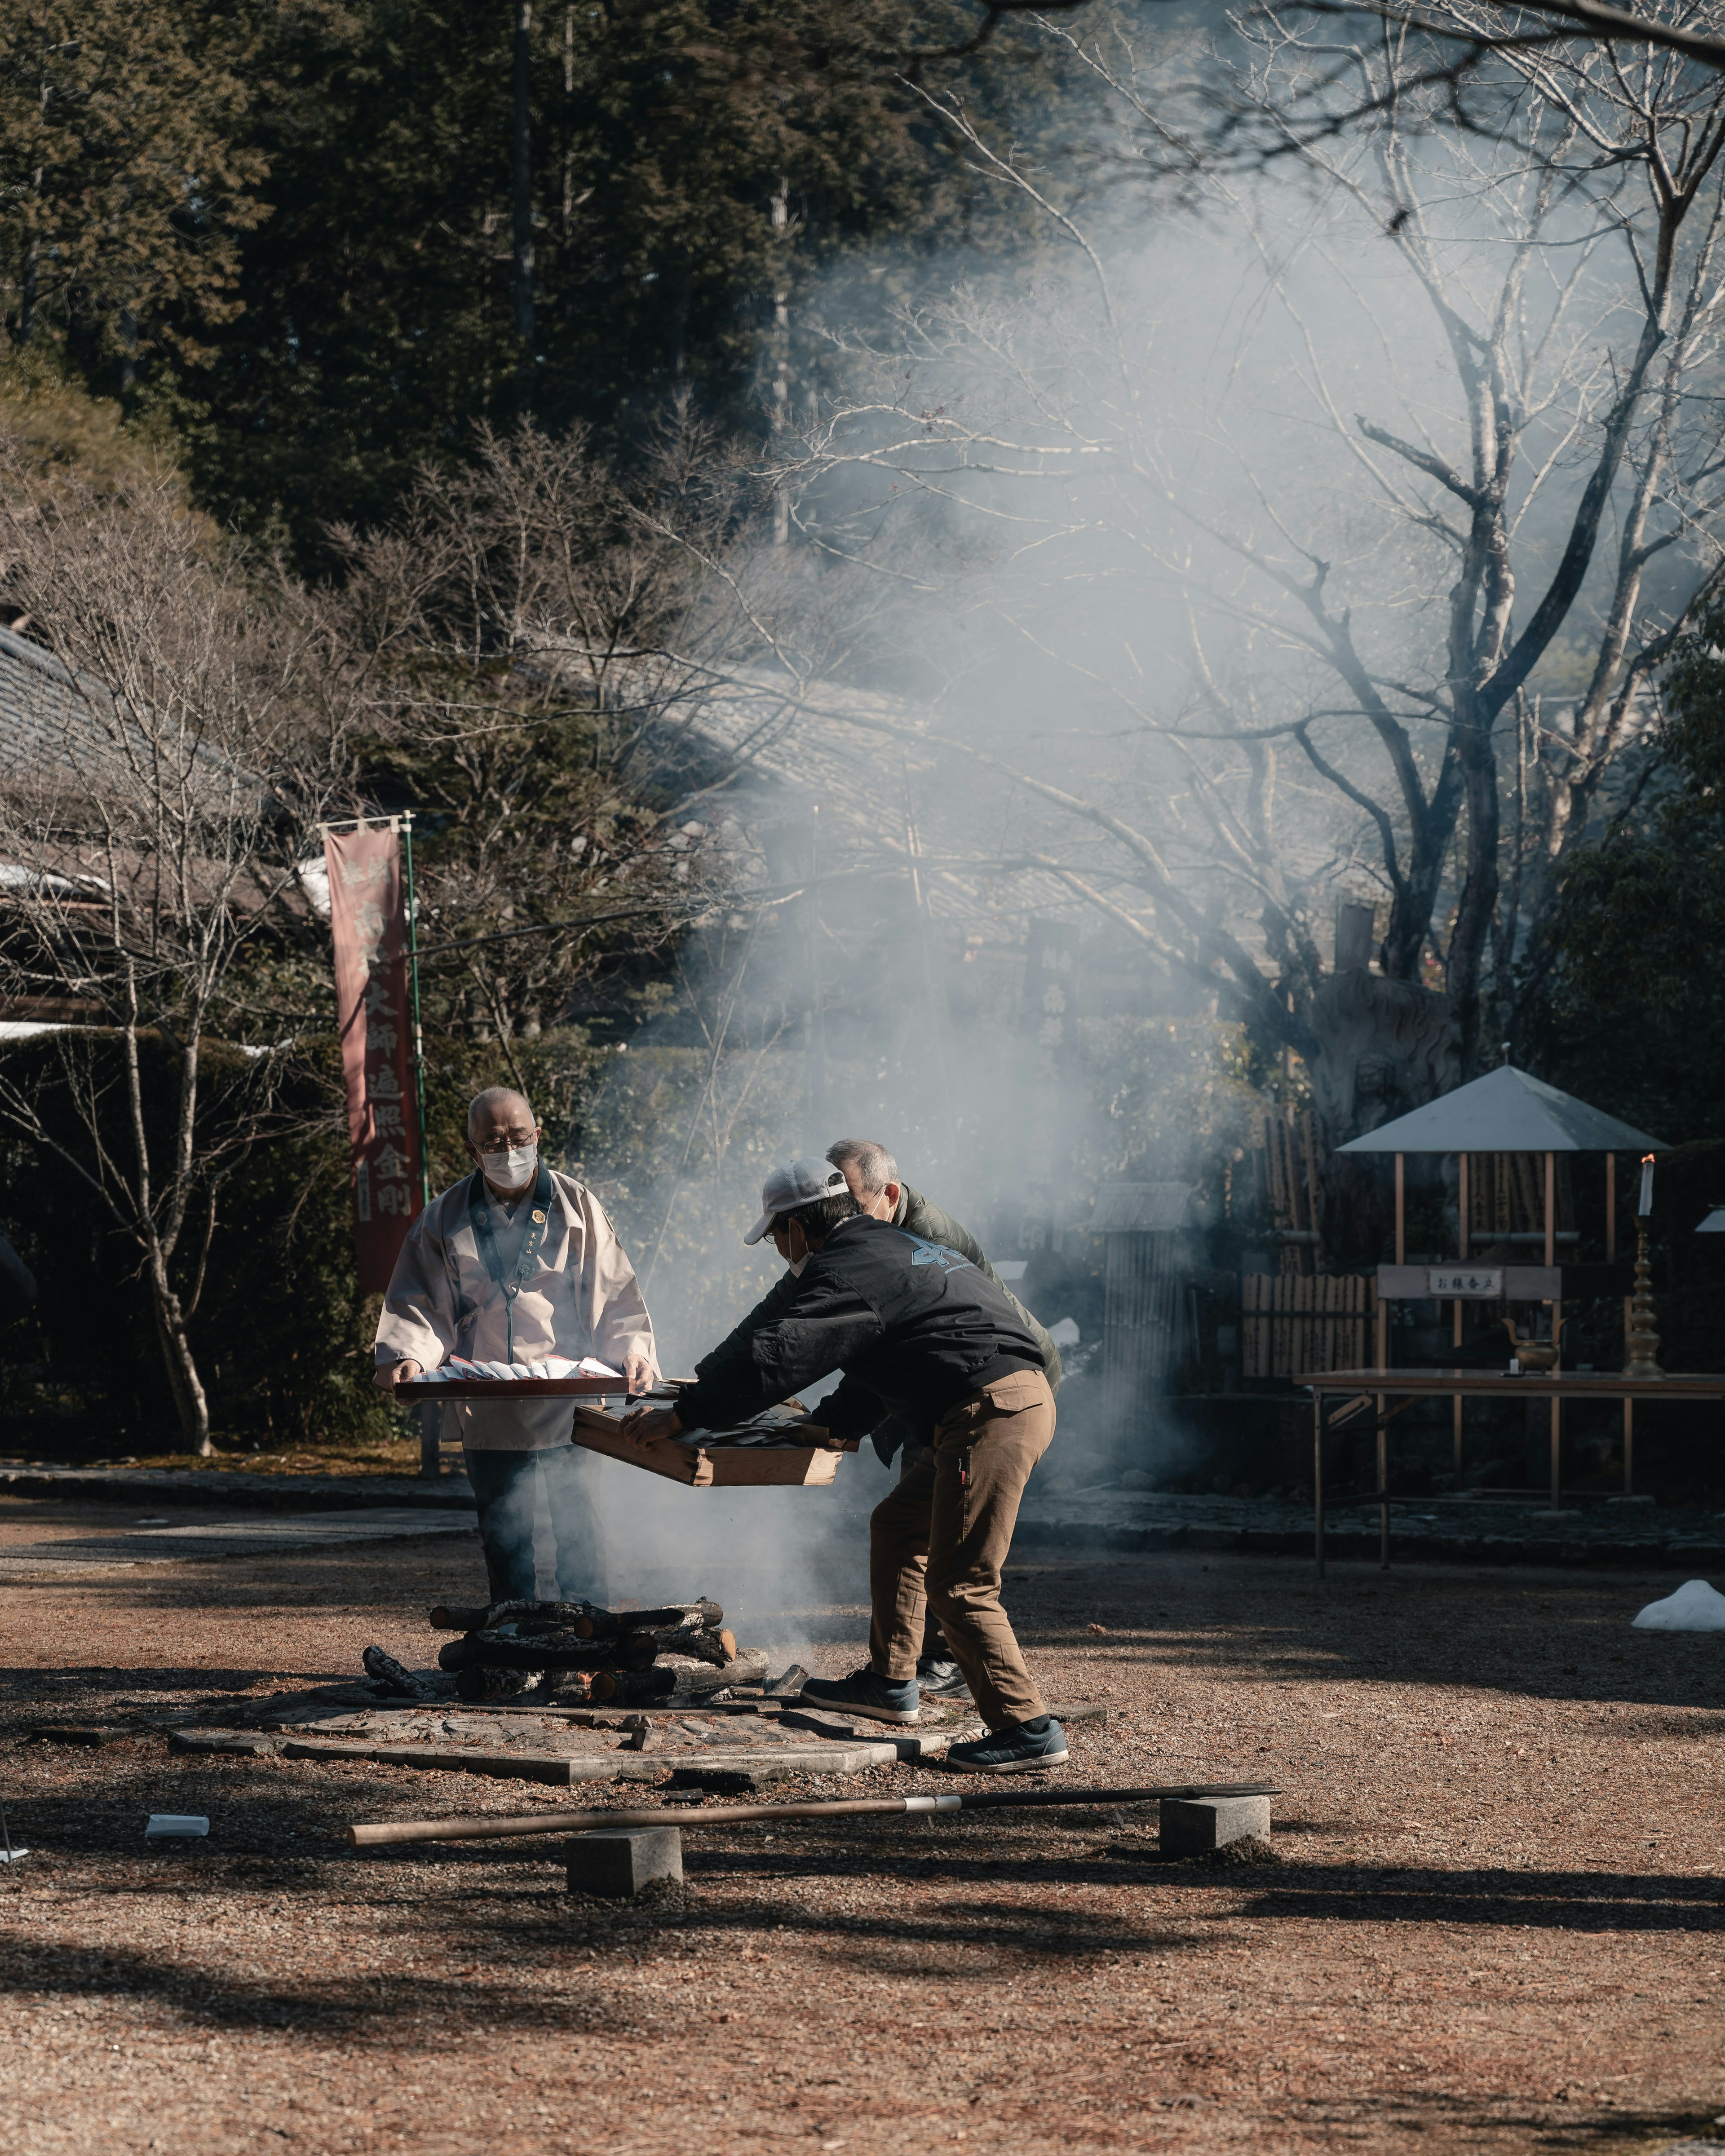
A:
[878, 1699]
[1012, 1751]
[940, 1677]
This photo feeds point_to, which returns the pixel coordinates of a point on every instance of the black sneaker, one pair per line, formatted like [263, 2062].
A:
[1013, 1750]
[939, 1677]
[877, 1699]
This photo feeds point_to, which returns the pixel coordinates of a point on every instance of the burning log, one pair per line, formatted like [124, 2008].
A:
[701, 1646]
[635, 1687]
[679, 1677]
[509, 1649]
[584, 1619]
[675, 1617]
[561, 1688]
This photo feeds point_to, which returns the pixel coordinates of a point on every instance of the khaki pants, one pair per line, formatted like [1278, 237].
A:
[939, 1540]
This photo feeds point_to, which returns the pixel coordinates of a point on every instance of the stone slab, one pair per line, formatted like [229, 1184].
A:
[442, 1738]
[1193, 1826]
[559, 1770]
[619, 1863]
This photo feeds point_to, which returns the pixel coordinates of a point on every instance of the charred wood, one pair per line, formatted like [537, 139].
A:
[500, 1650]
[633, 1687]
[673, 1617]
[585, 1620]
[384, 1670]
[565, 1687]
[679, 1677]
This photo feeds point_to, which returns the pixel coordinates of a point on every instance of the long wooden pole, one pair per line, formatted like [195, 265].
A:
[370, 1834]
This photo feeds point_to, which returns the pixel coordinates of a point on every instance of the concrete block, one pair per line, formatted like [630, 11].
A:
[619, 1864]
[1192, 1826]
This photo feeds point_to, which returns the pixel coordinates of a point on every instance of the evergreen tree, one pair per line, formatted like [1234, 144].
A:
[1636, 952]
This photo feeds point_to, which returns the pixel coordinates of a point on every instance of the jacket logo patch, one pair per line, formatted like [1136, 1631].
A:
[937, 1254]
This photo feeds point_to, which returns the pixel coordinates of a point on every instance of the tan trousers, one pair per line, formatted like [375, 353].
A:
[940, 1540]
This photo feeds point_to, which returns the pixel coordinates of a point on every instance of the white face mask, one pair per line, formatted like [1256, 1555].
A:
[794, 1265]
[510, 1170]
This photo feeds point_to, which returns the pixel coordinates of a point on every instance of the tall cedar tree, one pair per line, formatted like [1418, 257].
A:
[128, 178]
[377, 303]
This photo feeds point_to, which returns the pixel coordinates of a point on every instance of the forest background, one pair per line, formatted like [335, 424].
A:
[432, 361]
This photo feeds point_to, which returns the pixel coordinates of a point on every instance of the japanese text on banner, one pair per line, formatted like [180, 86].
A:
[368, 921]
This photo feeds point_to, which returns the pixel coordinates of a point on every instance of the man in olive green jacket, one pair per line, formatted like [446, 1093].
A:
[872, 1175]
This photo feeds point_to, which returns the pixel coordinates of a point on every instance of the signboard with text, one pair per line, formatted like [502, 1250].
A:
[368, 920]
[1457, 1282]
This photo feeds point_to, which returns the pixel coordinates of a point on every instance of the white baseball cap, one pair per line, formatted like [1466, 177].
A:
[798, 1183]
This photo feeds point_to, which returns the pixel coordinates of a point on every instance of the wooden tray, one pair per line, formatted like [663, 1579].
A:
[715, 1466]
[699, 1467]
[520, 1388]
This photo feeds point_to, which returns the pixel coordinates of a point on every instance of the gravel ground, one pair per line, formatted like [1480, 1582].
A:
[1496, 1921]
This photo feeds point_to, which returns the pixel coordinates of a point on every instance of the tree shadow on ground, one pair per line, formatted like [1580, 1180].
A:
[1526, 1632]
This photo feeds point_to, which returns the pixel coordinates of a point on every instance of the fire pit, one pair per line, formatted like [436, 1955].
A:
[574, 1652]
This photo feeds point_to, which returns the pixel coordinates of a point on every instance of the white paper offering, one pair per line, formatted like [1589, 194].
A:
[554, 1366]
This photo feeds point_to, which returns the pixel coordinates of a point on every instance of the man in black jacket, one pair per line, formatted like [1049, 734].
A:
[922, 1333]
[871, 1175]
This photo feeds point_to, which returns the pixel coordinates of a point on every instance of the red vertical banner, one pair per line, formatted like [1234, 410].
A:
[369, 918]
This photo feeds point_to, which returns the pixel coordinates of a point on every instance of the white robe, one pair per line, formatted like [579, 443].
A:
[581, 1299]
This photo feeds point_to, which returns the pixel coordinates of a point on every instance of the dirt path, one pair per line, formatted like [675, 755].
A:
[1497, 1922]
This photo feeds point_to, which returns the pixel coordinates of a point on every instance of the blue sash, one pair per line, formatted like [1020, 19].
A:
[480, 1204]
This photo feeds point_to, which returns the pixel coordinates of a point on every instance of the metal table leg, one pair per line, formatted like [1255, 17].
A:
[1318, 1479]
[1383, 1491]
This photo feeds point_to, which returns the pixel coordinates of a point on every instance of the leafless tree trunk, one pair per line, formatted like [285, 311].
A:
[1386, 595]
[150, 823]
[521, 174]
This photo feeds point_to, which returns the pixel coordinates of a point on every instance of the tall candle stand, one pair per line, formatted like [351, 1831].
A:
[1642, 1340]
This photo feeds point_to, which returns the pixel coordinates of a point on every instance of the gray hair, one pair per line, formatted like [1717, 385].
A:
[481, 1104]
[876, 1167]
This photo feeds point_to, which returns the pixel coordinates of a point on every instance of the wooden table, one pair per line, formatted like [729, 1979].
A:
[1360, 1389]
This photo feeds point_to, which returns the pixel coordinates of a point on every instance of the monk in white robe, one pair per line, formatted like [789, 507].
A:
[512, 1263]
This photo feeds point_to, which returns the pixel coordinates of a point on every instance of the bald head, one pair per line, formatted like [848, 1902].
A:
[499, 1114]
[503, 1139]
